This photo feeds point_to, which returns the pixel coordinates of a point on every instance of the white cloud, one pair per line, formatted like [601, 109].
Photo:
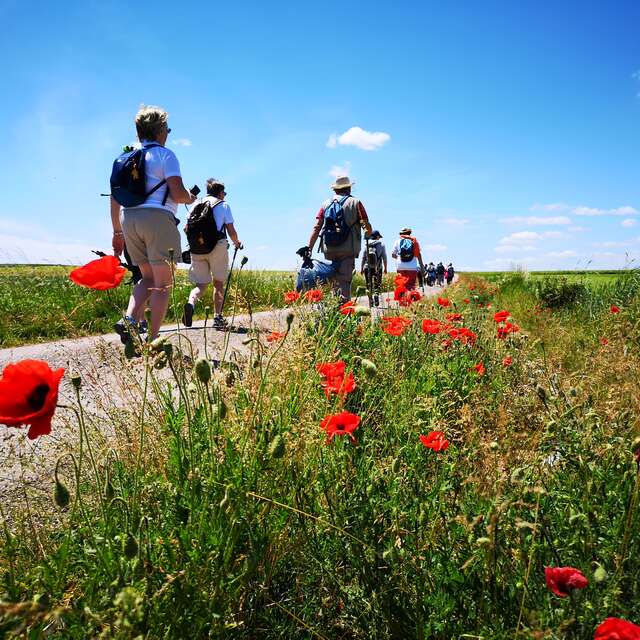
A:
[578, 229]
[567, 253]
[538, 220]
[611, 244]
[550, 208]
[181, 142]
[340, 170]
[20, 249]
[455, 222]
[520, 237]
[510, 248]
[592, 211]
[552, 234]
[628, 223]
[358, 137]
[432, 248]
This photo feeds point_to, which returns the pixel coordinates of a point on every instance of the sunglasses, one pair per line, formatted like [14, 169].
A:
[168, 130]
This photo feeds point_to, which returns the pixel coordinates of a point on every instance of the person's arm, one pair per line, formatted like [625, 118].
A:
[384, 258]
[394, 250]
[420, 263]
[315, 232]
[178, 192]
[117, 241]
[231, 230]
[364, 219]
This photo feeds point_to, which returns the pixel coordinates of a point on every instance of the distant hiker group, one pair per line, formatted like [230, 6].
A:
[146, 189]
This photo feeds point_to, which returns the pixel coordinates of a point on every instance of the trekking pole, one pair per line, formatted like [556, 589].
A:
[226, 286]
[369, 277]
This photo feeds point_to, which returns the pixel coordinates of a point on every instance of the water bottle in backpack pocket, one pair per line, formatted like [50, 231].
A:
[406, 249]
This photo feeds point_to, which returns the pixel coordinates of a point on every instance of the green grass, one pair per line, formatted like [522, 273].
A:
[40, 303]
[222, 512]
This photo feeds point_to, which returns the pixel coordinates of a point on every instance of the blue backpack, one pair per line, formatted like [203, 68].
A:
[336, 230]
[128, 180]
[406, 249]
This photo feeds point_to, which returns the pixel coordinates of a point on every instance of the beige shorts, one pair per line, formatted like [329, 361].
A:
[206, 267]
[149, 234]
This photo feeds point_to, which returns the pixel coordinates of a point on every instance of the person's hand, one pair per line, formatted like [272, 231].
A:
[192, 198]
[117, 243]
[238, 245]
[385, 272]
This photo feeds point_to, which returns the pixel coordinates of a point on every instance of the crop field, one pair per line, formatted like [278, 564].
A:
[40, 303]
[461, 468]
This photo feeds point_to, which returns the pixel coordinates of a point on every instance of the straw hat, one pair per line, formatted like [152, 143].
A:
[342, 182]
[405, 232]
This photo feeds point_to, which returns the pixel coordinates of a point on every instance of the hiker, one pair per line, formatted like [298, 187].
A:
[431, 274]
[338, 224]
[210, 251]
[440, 274]
[450, 273]
[148, 227]
[374, 264]
[406, 252]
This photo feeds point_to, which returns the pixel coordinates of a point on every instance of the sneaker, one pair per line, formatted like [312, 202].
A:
[220, 323]
[187, 316]
[123, 326]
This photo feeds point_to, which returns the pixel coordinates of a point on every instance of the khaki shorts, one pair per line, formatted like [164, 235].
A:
[206, 267]
[149, 234]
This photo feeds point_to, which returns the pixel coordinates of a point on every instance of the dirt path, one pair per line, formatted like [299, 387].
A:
[111, 385]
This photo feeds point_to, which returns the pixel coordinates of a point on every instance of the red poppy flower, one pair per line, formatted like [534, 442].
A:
[563, 580]
[395, 326]
[274, 336]
[101, 274]
[415, 295]
[501, 316]
[604, 341]
[334, 379]
[463, 335]
[614, 309]
[505, 330]
[313, 295]
[444, 302]
[507, 361]
[399, 293]
[291, 296]
[340, 424]
[479, 368]
[454, 317]
[400, 281]
[433, 326]
[466, 300]
[28, 396]
[472, 287]
[348, 308]
[435, 440]
[617, 629]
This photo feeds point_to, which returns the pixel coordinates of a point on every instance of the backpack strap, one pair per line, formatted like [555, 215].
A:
[162, 182]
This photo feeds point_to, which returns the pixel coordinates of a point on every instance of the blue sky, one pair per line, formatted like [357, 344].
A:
[503, 133]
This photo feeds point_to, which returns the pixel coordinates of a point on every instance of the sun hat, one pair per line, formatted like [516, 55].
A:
[375, 235]
[406, 231]
[342, 182]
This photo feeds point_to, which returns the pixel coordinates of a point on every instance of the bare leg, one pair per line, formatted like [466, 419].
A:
[197, 292]
[218, 295]
[159, 299]
[141, 293]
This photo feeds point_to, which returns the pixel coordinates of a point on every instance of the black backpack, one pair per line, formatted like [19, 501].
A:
[201, 229]
[335, 230]
[374, 255]
[406, 249]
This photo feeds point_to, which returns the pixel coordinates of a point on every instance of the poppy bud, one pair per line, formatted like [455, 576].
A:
[483, 542]
[256, 363]
[369, 368]
[573, 392]
[160, 361]
[494, 446]
[277, 448]
[203, 370]
[171, 253]
[229, 378]
[361, 311]
[290, 317]
[247, 341]
[109, 491]
[600, 575]
[541, 393]
[395, 465]
[222, 409]
[147, 315]
[130, 547]
[76, 380]
[61, 495]
[192, 389]
[157, 344]
[167, 347]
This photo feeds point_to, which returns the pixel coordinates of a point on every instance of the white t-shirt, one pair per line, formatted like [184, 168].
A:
[160, 163]
[412, 265]
[221, 213]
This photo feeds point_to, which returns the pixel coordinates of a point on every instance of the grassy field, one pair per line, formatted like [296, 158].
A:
[230, 515]
[40, 303]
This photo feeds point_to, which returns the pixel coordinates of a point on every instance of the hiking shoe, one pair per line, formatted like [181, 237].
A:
[123, 326]
[187, 316]
[142, 327]
[376, 300]
[220, 323]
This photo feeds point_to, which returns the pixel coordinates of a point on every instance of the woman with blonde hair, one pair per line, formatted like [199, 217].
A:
[149, 229]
